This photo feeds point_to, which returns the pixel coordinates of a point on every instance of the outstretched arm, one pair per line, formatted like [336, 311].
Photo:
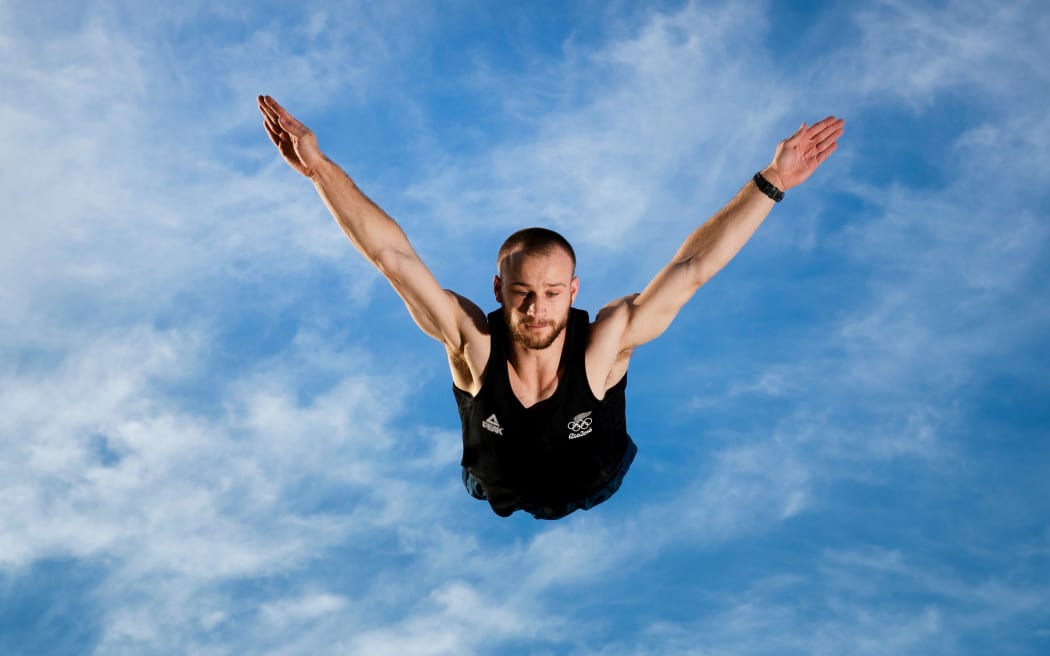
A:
[439, 313]
[639, 318]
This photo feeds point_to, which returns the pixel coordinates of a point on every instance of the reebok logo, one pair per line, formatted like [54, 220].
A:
[580, 425]
[492, 424]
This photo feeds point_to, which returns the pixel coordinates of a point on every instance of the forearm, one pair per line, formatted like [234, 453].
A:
[711, 246]
[369, 228]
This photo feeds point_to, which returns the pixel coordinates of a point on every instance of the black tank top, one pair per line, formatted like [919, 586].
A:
[562, 449]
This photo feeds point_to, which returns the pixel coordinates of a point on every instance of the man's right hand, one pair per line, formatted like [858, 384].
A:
[799, 155]
[297, 143]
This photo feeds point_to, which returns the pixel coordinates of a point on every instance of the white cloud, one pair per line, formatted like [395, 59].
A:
[913, 52]
[949, 275]
[200, 502]
[124, 186]
[843, 608]
[455, 618]
[304, 607]
[743, 491]
[641, 141]
[173, 491]
[306, 508]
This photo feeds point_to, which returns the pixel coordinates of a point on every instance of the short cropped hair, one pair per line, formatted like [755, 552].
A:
[535, 241]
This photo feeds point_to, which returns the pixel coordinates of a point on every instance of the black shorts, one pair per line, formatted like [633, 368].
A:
[477, 490]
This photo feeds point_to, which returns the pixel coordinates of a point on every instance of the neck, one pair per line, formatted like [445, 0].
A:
[534, 373]
[528, 359]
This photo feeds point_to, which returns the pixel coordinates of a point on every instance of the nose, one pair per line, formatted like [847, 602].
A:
[534, 308]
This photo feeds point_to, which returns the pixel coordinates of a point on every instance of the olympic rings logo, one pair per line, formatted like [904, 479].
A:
[580, 423]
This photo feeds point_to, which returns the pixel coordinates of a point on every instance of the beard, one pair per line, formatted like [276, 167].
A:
[522, 335]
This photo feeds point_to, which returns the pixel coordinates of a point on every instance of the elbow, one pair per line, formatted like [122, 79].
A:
[698, 270]
[704, 266]
[702, 275]
[392, 262]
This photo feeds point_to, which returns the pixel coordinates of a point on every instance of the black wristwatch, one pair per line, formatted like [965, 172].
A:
[767, 187]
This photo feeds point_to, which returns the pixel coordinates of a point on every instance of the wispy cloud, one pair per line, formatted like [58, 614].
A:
[640, 138]
[236, 495]
[910, 52]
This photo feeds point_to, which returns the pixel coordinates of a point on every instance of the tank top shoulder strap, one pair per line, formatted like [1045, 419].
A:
[578, 329]
[576, 354]
[497, 341]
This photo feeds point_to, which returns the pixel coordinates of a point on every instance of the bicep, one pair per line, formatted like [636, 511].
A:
[648, 314]
[439, 313]
[629, 322]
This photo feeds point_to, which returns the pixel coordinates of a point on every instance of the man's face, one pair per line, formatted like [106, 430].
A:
[536, 292]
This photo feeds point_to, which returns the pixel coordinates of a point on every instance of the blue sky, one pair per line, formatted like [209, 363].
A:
[221, 434]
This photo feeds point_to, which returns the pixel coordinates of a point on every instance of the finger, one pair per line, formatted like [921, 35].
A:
[828, 140]
[290, 123]
[828, 127]
[830, 133]
[824, 122]
[271, 123]
[273, 104]
[279, 115]
[273, 135]
[270, 103]
[266, 110]
[824, 154]
[273, 129]
[276, 133]
[279, 112]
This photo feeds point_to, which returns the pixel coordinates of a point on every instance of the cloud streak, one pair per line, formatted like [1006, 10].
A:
[203, 405]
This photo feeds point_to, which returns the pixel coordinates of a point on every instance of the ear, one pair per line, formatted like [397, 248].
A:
[497, 288]
[574, 288]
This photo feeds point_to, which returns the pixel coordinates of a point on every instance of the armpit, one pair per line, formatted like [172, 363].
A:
[462, 376]
[619, 369]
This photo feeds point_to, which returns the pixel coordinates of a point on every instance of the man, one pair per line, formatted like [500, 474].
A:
[540, 388]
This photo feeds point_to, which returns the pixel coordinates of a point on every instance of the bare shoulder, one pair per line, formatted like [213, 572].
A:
[607, 358]
[612, 319]
[468, 356]
[472, 316]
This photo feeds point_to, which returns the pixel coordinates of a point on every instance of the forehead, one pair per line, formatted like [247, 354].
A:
[553, 266]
